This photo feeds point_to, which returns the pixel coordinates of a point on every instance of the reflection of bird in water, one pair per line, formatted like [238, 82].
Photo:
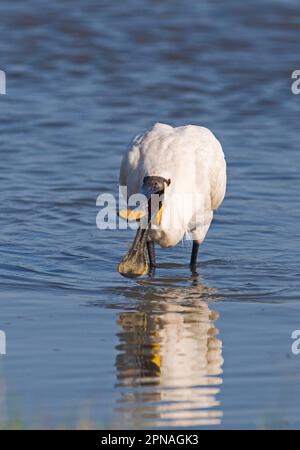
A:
[169, 361]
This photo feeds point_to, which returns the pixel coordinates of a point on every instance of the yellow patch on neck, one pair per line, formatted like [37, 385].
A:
[131, 216]
[159, 215]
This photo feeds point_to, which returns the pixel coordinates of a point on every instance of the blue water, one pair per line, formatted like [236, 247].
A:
[86, 347]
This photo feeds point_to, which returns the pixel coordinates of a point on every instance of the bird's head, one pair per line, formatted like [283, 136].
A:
[135, 262]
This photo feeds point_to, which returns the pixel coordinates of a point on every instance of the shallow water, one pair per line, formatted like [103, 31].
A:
[177, 350]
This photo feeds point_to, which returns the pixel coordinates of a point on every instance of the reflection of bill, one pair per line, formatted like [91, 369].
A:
[170, 361]
[2, 82]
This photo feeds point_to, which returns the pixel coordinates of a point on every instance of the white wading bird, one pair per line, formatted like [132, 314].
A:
[186, 168]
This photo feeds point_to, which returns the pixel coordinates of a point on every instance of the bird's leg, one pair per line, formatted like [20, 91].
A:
[151, 253]
[194, 255]
[152, 259]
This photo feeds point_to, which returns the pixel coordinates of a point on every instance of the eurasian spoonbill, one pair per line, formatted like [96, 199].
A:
[185, 169]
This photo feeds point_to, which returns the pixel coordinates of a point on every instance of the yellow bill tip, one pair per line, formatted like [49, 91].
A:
[129, 271]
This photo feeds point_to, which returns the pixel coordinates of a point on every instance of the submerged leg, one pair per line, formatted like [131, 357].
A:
[194, 254]
[151, 253]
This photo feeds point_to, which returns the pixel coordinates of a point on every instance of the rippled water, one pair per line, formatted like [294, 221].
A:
[176, 350]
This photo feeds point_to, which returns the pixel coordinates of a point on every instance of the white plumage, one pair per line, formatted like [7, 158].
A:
[192, 158]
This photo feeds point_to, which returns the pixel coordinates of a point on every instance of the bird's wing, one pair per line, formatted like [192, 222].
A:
[218, 180]
[129, 173]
